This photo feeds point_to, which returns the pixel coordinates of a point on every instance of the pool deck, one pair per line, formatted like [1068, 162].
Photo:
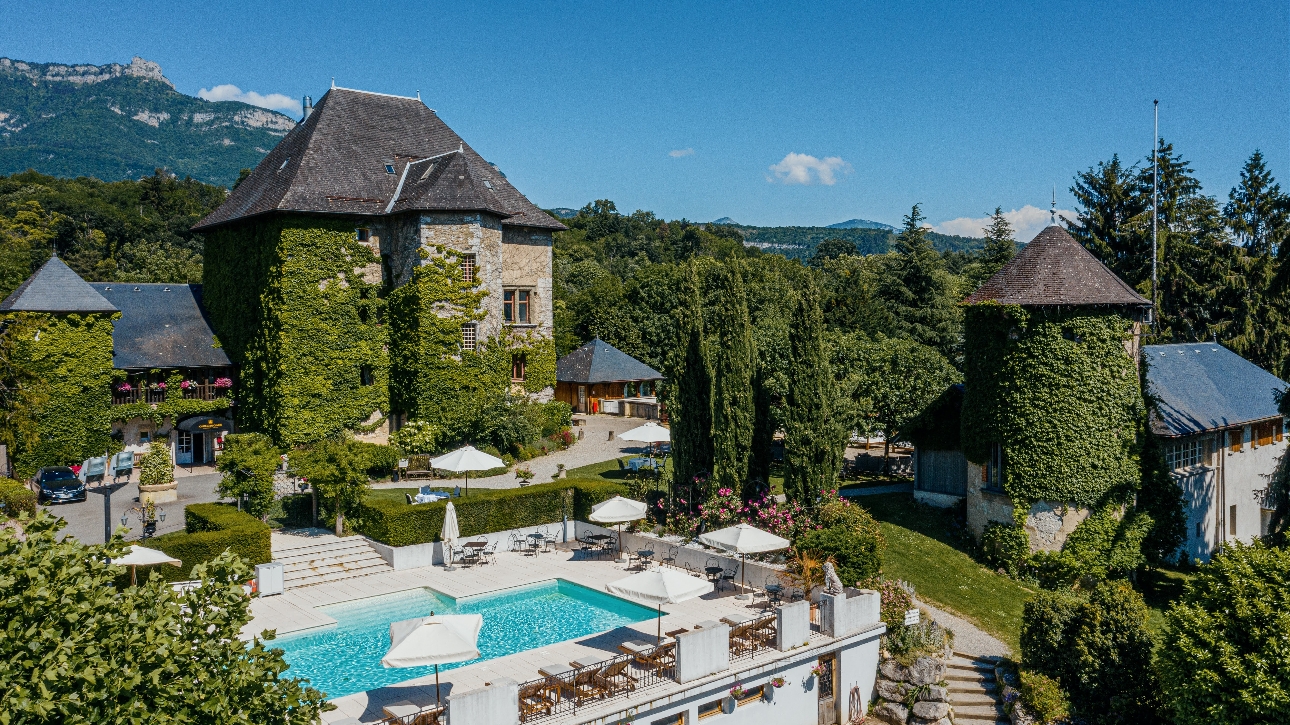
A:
[294, 611]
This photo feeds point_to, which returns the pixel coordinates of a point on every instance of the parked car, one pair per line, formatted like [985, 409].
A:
[58, 484]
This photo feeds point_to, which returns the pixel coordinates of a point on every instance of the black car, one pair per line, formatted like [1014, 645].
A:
[59, 484]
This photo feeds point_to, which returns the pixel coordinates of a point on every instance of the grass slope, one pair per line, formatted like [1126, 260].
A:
[926, 548]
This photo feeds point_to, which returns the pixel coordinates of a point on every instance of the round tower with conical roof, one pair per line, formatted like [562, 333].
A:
[1052, 408]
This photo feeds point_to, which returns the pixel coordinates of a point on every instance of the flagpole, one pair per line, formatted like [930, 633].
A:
[1155, 185]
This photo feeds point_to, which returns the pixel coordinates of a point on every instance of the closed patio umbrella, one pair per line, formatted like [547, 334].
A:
[449, 534]
[434, 641]
[466, 459]
[136, 556]
[618, 510]
[744, 539]
[657, 587]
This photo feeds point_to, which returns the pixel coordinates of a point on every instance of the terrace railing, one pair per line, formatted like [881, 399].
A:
[750, 638]
[205, 391]
[547, 698]
[140, 394]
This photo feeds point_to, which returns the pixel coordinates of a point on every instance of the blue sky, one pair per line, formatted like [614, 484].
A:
[704, 110]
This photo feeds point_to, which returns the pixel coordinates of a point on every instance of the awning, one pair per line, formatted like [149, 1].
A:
[205, 424]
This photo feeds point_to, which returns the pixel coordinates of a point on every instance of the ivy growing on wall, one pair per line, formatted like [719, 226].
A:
[174, 408]
[432, 378]
[289, 303]
[61, 416]
[1058, 391]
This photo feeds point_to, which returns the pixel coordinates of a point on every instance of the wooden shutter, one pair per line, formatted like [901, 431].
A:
[1265, 434]
[1278, 429]
[1235, 438]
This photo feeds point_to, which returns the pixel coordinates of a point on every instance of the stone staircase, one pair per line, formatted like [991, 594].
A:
[322, 558]
[974, 695]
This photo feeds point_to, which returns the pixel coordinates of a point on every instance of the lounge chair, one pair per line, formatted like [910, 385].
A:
[615, 678]
[536, 697]
[659, 658]
[585, 687]
[740, 638]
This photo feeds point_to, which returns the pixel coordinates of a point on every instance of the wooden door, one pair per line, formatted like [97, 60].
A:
[826, 687]
[184, 448]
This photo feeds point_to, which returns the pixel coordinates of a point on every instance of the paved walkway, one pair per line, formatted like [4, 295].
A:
[968, 638]
[85, 519]
[595, 447]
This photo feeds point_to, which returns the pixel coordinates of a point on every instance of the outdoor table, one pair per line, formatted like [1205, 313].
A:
[643, 556]
[713, 572]
[637, 464]
[476, 544]
[535, 542]
[429, 497]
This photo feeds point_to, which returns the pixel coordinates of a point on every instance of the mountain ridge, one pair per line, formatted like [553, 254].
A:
[122, 121]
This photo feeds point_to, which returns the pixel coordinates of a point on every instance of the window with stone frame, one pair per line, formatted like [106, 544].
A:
[1184, 454]
[515, 306]
[468, 336]
[992, 471]
[468, 268]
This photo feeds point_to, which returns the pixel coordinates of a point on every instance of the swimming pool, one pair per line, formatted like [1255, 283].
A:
[346, 658]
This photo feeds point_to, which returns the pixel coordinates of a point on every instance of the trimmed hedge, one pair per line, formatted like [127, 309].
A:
[15, 498]
[396, 523]
[210, 528]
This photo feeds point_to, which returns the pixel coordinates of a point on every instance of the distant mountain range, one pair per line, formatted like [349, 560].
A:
[122, 121]
[861, 224]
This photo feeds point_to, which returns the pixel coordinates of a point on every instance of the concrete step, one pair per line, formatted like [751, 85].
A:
[952, 676]
[978, 712]
[961, 664]
[990, 688]
[323, 559]
[963, 699]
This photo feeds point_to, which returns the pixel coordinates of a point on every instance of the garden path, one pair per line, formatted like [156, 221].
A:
[968, 638]
[595, 447]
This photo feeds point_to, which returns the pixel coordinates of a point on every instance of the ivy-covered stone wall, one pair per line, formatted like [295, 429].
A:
[1059, 391]
[291, 303]
[431, 377]
[62, 413]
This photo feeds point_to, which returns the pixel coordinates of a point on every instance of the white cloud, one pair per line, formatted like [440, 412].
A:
[797, 169]
[1026, 223]
[678, 153]
[273, 101]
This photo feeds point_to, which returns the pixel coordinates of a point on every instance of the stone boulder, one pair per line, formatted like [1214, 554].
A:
[931, 710]
[893, 670]
[891, 691]
[935, 693]
[892, 713]
[925, 671]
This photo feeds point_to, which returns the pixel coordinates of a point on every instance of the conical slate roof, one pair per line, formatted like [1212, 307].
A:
[56, 288]
[600, 362]
[1055, 270]
[335, 161]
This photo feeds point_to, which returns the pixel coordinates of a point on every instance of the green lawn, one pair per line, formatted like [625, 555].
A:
[926, 547]
[1160, 588]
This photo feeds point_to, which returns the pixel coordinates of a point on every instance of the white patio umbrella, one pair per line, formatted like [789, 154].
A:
[651, 432]
[744, 539]
[434, 641]
[466, 459]
[136, 556]
[659, 586]
[448, 534]
[618, 510]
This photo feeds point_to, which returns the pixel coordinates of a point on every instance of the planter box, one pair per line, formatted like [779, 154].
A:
[161, 493]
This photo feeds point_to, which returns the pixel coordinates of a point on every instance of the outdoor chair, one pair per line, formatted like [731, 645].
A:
[661, 657]
[670, 559]
[517, 543]
[585, 687]
[534, 698]
[615, 678]
[490, 552]
[727, 578]
[740, 639]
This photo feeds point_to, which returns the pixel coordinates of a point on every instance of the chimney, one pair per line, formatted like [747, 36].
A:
[308, 104]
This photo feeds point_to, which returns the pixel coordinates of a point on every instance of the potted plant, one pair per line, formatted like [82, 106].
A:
[524, 474]
[777, 682]
[738, 692]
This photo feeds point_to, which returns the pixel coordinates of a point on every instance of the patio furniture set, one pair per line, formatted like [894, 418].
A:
[564, 688]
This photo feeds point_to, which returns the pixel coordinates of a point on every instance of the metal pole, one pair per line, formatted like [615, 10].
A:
[107, 514]
[1155, 175]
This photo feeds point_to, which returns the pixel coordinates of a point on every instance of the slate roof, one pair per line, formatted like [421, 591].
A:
[334, 162]
[56, 288]
[1055, 270]
[1205, 386]
[161, 326]
[600, 362]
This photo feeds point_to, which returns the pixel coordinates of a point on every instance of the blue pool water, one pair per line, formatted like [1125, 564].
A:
[345, 659]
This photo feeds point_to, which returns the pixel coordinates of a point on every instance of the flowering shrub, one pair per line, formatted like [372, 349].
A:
[185, 385]
[896, 600]
[223, 383]
[724, 509]
[789, 519]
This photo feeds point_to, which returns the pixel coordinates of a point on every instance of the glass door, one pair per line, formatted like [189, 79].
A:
[582, 399]
[184, 449]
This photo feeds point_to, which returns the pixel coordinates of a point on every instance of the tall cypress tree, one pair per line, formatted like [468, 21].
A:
[763, 434]
[731, 347]
[689, 400]
[813, 438]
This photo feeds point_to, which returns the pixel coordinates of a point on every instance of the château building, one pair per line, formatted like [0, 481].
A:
[372, 269]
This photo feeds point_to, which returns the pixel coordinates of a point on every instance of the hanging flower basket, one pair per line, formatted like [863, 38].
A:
[124, 388]
[223, 382]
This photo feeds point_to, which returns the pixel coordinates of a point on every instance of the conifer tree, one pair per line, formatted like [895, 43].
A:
[1257, 211]
[731, 348]
[763, 434]
[689, 399]
[917, 290]
[1000, 243]
[813, 438]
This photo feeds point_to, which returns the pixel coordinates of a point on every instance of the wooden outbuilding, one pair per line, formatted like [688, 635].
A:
[600, 378]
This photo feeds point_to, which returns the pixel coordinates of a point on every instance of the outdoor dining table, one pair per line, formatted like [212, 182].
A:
[643, 556]
[713, 572]
[637, 464]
